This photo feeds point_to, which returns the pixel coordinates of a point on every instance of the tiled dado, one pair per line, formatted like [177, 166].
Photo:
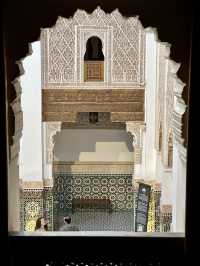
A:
[166, 218]
[115, 187]
[94, 167]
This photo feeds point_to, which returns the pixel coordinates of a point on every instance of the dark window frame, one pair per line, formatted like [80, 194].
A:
[108, 248]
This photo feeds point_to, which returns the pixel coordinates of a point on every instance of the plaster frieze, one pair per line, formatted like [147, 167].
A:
[127, 116]
[62, 105]
[93, 167]
[26, 185]
[53, 95]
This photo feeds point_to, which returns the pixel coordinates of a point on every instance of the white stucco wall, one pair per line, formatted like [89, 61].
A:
[149, 154]
[30, 158]
[93, 145]
[164, 175]
[178, 192]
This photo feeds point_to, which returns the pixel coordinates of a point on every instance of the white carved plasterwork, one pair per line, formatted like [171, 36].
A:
[170, 104]
[83, 33]
[178, 111]
[123, 42]
[16, 107]
[136, 129]
[163, 52]
[51, 129]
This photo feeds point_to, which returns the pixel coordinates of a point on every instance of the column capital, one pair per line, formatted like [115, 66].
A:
[136, 129]
[51, 129]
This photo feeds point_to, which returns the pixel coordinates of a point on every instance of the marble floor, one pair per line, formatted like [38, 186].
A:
[95, 220]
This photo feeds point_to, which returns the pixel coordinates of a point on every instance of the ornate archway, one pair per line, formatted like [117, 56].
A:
[18, 119]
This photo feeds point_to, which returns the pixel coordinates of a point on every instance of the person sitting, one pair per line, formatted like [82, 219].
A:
[41, 225]
[68, 226]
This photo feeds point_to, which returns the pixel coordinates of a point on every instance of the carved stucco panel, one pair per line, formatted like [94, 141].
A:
[179, 109]
[123, 46]
[170, 105]
[136, 130]
[83, 34]
[51, 129]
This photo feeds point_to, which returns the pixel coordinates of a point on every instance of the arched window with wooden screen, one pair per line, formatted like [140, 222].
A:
[94, 60]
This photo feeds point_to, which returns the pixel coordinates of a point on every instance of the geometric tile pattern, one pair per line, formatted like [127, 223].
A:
[166, 222]
[48, 206]
[32, 207]
[115, 187]
[56, 203]
[157, 196]
[151, 213]
[94, 220]
[166, 218]
[22, 213]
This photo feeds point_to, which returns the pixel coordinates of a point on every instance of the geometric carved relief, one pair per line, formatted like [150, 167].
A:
[64, 45]
[93, 71]
[116, 187]
[93, 107]
[51, 129]
[171, 105]
[64, 104]
[127, 116]
[54, 95]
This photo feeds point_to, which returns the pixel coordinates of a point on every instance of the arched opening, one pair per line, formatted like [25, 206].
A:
[94, 60]
[94, 49]
[93, 172]
[89, 102]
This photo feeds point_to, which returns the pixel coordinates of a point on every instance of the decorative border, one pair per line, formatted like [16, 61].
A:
[94, 167]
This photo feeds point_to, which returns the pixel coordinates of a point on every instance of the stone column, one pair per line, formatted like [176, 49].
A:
[149, 165]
